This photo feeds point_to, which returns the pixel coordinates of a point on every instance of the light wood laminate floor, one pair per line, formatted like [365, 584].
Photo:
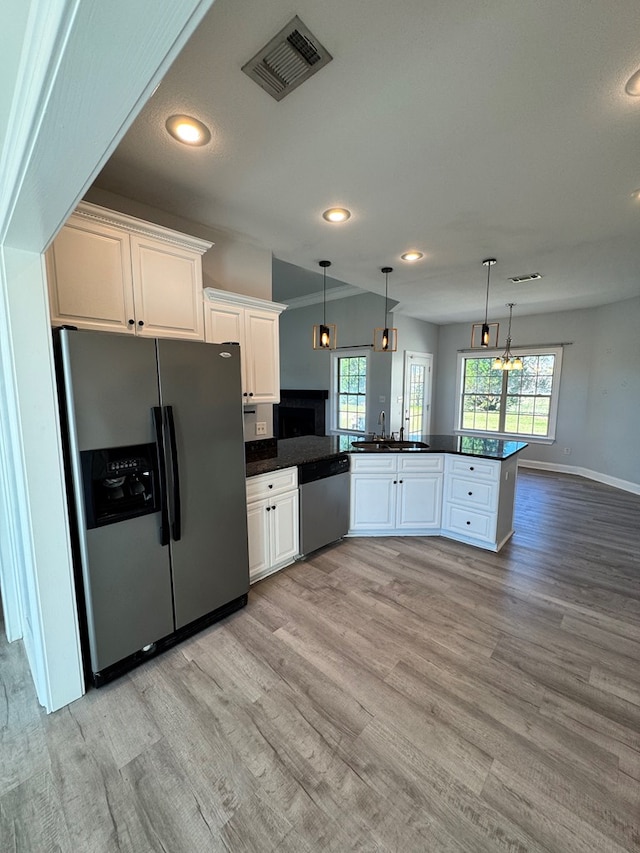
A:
[395, 694]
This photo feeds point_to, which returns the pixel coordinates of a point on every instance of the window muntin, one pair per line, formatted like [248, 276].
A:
[350, 396]
[416, 398]
[516, 403]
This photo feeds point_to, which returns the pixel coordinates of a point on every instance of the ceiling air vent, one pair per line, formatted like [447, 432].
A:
[522, 279]
[289, 59]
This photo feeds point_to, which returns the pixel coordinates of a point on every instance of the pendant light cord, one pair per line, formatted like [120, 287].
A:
[386, 271]
[486, 302]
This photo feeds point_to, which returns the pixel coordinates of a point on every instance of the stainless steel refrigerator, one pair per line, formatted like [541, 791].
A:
[154, 448]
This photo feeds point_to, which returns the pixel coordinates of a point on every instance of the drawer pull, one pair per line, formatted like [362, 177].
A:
[270, 486]
[471, 467]
[468, 522]
[469, 493]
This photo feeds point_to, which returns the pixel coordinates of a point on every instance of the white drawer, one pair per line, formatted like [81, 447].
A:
[471, 492]
[273, 483]
[373, 463]
[420, 463]
[469, 522]
[477, 469]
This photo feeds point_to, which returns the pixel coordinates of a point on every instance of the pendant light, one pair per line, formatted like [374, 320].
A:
[324, 334]
[507, 361]
[485, 328]
[488, 263]
[385, 339]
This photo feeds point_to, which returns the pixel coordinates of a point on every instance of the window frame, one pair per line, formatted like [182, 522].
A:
[550, 438]
[334, 428]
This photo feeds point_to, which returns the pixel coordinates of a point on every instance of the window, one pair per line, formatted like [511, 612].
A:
[349, 392]
[512, 403]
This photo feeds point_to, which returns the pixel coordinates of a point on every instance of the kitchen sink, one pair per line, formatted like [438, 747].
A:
[394, 444]
[369, 446]
[388, 444]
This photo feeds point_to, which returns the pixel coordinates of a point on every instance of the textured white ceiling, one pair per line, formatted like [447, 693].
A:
[465, 128]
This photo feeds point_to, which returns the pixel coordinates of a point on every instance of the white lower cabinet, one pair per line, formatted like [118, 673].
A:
[478, 500]
[395, 492]
[272, 521]
[460, 497]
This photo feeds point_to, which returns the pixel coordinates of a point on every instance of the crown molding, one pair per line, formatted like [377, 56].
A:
[332, 294]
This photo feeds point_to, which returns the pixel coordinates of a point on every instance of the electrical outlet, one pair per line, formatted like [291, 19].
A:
[261, 428]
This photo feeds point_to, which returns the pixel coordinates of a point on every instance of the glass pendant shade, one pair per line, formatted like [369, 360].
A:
[325, 335]
[385, 338]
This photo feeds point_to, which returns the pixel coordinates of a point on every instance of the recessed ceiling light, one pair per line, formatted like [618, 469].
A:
[633, 84]
[412, 256]
[188, 130]
[336, 214]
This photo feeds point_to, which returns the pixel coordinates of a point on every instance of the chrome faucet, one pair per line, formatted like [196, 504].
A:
[381, 420]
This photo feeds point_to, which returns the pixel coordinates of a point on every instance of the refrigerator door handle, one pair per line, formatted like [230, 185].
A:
[175, 475]
[162, 474]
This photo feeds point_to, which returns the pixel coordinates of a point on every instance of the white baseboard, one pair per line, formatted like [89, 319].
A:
[616, 482]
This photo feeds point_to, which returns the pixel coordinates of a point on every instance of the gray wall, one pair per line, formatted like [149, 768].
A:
[599, 404]
[414, 336]
[355, 317]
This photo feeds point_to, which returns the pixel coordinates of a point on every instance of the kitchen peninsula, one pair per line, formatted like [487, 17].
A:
[459, 487]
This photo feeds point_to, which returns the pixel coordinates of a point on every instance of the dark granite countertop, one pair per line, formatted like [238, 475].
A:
[270, 455]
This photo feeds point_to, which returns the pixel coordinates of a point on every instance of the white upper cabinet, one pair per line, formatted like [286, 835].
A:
[114, 273]
[254, 324]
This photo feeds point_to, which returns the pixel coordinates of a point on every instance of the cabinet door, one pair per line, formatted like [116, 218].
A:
[167, 289]
[373, 501]
[258, 528]
[284, 528]
[224, 323]
[89, 275]
[262, 355]
[419, 501]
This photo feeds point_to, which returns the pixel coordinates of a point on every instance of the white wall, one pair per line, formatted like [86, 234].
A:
[599, 403]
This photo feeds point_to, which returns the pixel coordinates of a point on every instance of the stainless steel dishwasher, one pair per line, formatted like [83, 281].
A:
[324, 502]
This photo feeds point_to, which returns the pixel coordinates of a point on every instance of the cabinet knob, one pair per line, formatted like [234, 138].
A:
[270, 485]
[469, 493]
[251, 393]
[141, 322]
[269, 510]
[244, 394]
[395, 482]
[131, 322]
[273, 507]
[400, 481]
[471, 467]
[468, 522]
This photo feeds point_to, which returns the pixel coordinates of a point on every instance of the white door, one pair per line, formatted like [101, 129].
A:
[417, 393]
